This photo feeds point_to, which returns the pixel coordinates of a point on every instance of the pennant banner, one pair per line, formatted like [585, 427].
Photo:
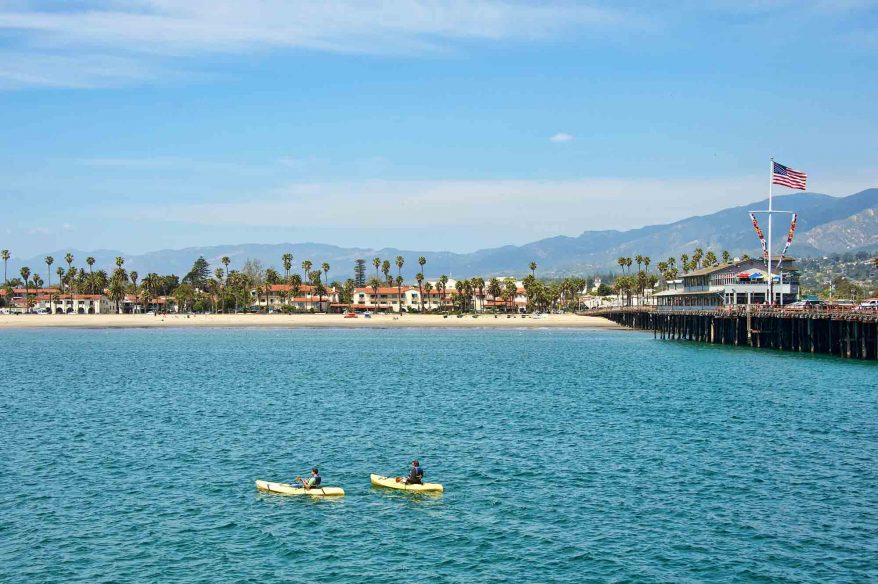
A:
[789, 240]
[761, 239]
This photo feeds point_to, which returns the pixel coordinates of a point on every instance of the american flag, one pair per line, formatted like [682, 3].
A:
[788, 177]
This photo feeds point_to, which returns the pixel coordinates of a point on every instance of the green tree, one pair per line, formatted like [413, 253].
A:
[385, 269]
[91, 262]
[421, 262]
[306, 270]
[360, 273]
[727, 257]
[533, 269]
[199, 274]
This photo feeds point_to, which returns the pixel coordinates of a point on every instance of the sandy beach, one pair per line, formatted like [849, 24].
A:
[299, 321]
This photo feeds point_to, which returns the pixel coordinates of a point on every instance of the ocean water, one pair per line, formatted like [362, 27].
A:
[605, 456]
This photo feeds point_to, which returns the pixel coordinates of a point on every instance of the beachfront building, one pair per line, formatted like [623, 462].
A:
[304, 298]
[517, 303]
[27, 300]
[81, 304]
[384, 298]
[740, 282]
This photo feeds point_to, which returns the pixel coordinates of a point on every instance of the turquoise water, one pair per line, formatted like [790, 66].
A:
[130, 455]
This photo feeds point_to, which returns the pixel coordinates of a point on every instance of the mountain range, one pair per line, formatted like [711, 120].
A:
[826, 225]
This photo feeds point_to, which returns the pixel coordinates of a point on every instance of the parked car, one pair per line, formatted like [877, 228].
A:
[869, 305]
[806, 305]
[841, 304]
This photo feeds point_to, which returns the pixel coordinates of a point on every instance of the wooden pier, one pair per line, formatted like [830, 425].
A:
[845, 333]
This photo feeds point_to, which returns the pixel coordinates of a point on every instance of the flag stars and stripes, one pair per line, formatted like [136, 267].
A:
[788, 177]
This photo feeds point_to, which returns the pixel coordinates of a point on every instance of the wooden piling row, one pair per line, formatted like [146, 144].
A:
[846, 334]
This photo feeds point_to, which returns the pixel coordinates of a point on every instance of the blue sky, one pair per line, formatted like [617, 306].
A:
[452, 125]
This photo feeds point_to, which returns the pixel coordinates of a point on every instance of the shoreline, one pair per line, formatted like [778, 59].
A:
[110, 321]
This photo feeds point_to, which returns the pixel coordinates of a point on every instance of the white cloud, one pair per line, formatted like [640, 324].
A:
[38, 231]
[96, 43]
[562, 137]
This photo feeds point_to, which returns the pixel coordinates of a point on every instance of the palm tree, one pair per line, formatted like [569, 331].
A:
[400, 262]
[91, 262]
[375, 283]
[428, 287]
[420, 279]
[49, 261]
[225, 261]
[479, 285]
[59, 271]
[399, 293]
[218, 273]
[494, 290]
[727, 257]
[709, 259]
[621, 261]
[533, 269]
[325, 267]
[628, 264]
[133, 276]
[287, 260]
[638, 259]
[306, 270]
[376, 261]
[421, 261]
[646, 261]
[443, 281]
[69, 259]
[25, 274]
[4, 255]
[460, 286]
[385, 269]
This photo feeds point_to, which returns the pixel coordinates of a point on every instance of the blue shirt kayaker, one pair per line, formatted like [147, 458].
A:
[311, 482]
[416, 475]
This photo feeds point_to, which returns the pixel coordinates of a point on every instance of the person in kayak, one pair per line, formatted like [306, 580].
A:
[312, 482]
[416, 475]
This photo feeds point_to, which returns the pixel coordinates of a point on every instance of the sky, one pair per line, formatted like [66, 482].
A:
[433, 125]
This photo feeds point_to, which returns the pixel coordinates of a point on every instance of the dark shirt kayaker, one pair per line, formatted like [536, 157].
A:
[416, 474]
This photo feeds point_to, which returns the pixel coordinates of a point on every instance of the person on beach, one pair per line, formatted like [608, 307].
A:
[312, 482]
[416, 475]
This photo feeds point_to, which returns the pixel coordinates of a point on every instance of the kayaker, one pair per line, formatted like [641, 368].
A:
[416, 475]
[312, 482]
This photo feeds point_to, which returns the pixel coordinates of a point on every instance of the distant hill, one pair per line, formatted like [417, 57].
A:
[826, 225]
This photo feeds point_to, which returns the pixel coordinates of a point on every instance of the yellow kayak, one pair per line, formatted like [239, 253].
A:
[390, 483]
[285, 489]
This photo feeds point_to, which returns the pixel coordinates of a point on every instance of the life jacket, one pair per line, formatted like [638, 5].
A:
[317, 480]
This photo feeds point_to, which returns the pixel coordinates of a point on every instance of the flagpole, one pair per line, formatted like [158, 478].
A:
[770, 277]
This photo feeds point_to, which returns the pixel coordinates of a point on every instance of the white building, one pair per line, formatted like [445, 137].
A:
[734, 283]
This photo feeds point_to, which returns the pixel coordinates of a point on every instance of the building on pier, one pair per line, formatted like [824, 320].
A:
[733, 283]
